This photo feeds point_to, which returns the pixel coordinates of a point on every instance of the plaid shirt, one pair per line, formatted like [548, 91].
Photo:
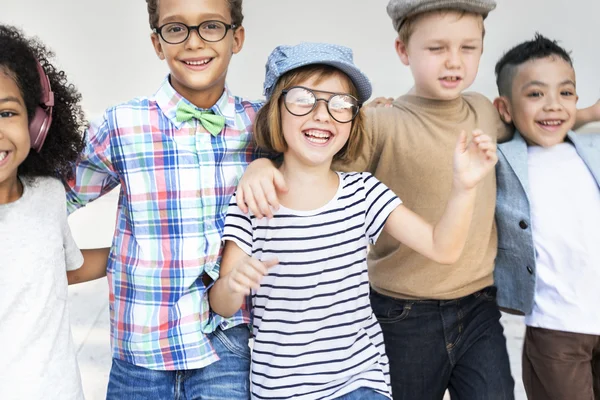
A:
[176, 182]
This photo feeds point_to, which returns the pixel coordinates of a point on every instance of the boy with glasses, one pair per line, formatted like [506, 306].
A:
[177, 156]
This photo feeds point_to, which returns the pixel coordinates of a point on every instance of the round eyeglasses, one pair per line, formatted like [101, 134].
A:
[178, 32]
[301, 101]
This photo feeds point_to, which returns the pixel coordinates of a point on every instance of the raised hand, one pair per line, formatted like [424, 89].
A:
[473, 159]
[248, 274]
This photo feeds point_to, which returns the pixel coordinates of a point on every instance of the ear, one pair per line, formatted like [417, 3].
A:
[402, 51]
[157, 46]
[502, 104]
[239, 35]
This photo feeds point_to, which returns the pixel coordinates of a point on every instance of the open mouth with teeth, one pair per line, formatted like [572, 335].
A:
[318, 136]
[550, 123]
[197, 63]
[3, 155]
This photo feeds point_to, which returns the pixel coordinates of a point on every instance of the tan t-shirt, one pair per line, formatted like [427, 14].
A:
[410, 148]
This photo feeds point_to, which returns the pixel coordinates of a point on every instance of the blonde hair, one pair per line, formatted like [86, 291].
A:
[268, 133]
[408, 26]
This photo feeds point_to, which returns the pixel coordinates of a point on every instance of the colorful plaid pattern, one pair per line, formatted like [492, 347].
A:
[176, 182]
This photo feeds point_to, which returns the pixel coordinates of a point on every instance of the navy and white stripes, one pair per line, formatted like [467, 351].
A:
[315, 336]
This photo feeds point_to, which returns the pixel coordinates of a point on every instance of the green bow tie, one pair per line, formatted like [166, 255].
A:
[211, 122]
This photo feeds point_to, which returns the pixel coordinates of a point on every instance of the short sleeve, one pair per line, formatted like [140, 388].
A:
[380, 201]
[238, 227]
[73, 256]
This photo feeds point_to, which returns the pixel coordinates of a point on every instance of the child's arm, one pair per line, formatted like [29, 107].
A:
[94, 173]
[587, 115]
[239, 274]
[445, 241]
[94, 266]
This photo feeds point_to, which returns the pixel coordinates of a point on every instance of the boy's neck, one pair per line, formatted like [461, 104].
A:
[203, 99]
[11, 190]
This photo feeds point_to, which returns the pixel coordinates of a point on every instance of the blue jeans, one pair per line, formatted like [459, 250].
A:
[228, 378]
[457, 345]
[363, 394]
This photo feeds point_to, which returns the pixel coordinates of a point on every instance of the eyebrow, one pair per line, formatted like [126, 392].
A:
[540, 83]
[205, 17]
[10, 99]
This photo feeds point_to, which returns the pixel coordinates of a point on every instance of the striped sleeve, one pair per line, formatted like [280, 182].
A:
[238, 227]
[380, 201]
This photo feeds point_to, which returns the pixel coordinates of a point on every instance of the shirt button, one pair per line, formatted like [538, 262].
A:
[530, 270]
[523, 225]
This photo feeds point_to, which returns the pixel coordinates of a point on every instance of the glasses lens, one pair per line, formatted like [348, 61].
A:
[343, 107]
[299, 101]
[213, 31]
[174, 33]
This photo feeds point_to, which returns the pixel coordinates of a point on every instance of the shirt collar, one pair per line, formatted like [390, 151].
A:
[167, 99]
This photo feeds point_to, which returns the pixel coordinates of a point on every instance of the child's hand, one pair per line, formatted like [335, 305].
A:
[473, 160]
[247, 274]
[380, 102]
[257, 188]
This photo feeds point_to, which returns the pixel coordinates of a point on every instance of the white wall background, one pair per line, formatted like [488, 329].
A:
[104, 46]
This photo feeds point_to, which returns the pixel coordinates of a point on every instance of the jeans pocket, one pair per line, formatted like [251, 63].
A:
[235, 340]
[389, 310]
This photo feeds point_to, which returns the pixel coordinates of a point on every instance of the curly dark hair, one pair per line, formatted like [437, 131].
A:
[64, 143]
[235, 7]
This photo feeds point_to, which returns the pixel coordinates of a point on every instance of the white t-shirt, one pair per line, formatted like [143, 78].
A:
[565, 218]
[315, 335]
[38, 358]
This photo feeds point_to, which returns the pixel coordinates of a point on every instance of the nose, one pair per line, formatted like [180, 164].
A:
[453, 60]
[194, 41]
[553, 103]
[320, 113]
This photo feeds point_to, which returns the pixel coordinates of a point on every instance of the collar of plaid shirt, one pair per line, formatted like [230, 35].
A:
[168, 99]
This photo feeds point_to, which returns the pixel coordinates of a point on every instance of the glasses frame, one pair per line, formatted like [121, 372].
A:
[333, 94]
[196, 28]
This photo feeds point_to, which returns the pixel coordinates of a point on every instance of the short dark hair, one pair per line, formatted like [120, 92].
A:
[235, 7]
[64, 143]
[539, 47]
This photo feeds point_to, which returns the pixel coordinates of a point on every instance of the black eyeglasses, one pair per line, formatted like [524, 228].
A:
[300, 101]
[178, 32]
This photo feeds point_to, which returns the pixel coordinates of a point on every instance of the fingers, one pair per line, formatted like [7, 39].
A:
[271, 263]
[239, 199]
[279, 181]
[249, 274]
[461, 144]
[380, 102]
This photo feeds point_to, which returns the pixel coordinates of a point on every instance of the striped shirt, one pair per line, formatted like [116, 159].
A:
[176, 182]
[315, 335]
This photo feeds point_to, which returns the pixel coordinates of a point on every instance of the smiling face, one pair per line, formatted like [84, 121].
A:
[443, 53]
[314, 139]
[543, 101]
[14, 132]
[198, 68]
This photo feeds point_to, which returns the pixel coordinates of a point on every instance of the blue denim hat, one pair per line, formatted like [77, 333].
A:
[287, 58]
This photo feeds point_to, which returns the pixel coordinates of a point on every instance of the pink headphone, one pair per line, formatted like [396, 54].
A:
[38, 128]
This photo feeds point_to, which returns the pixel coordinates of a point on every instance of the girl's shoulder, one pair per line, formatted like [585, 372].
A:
[44, 189]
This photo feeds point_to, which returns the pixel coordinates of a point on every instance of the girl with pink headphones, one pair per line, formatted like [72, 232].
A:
[41, 121]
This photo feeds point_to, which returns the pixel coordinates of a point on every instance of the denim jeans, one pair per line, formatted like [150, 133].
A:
[363, 394]
[228, 378]
[457, 345]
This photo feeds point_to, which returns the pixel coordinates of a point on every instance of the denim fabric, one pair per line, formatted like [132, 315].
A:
[457, 345]
[363, 394]
[227, 378]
